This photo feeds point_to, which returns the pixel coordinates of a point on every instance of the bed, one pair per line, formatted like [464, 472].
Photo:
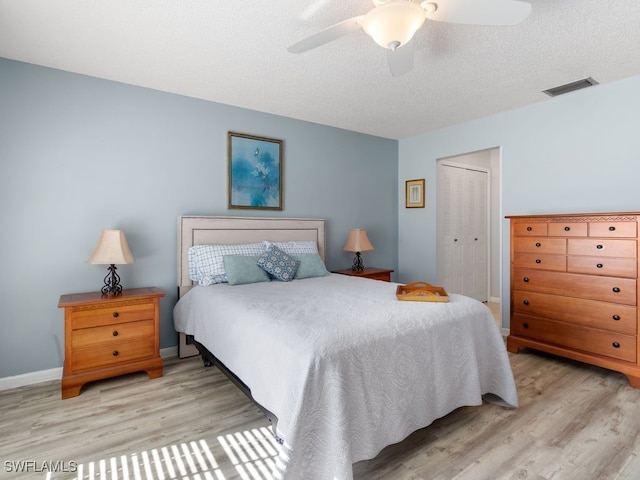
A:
[340, 366]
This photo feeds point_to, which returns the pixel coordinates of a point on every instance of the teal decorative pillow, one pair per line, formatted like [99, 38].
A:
[278, 264]
[241, 270]
[311, 265]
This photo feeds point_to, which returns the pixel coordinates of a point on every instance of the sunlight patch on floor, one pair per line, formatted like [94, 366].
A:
[252, 454]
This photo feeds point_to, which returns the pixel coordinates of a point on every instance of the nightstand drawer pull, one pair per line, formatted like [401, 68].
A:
[525, 279]
[115, 353]
[599, 247]
[612, 229]
[538, 260]
[566, 229]
[616, 317]
[115, 333]
[615, 345]
[116, 314]
[526, 302]
[615, 290]
[525, 325]
[529, 229]
[599, 265]
[538, 244]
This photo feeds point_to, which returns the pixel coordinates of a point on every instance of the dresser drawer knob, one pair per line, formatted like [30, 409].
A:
[116, 314]
[538, 244]
[538, 260]
[566, 229]
[115, 333]
[616, 317]
[612, 229]
[599, 265]
[615, 345]
[616, 290]
[115, 353]
[526, 302]
[525, 325]
[525, 279]
[599, 247]
[529, 229]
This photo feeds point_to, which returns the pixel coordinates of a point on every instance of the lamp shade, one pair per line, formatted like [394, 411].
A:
[358, 241]
[112, 249]
[393, 24]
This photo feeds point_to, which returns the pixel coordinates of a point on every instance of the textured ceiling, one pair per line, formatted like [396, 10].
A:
[235, 52]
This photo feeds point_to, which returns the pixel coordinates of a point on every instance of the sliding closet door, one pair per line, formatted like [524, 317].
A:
[462, 231]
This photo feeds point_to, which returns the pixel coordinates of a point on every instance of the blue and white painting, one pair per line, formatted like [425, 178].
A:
[255, 166]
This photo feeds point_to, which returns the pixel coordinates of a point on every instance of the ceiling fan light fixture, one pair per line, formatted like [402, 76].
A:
[394, 23]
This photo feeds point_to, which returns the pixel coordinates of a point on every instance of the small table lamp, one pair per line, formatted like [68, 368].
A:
[358, 242]
[112, 249]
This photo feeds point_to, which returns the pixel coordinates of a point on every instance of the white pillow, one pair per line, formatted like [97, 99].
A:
[206, 262]
[295, 247]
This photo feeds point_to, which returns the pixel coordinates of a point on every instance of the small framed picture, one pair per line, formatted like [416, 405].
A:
[415, 193]
[255, 172]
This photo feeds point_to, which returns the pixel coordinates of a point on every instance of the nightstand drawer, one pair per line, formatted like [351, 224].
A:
[113, 334]
[85, 317]
[107, 355]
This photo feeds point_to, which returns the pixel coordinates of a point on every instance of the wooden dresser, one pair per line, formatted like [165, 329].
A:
[109, 336]
[574, 288]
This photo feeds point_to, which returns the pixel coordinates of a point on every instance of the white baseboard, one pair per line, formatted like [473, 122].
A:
[40, 376]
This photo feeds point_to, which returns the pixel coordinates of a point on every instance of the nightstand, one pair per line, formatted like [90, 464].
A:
[369, 272]
[107, 336]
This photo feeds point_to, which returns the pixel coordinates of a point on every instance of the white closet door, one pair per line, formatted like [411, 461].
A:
[463, 231]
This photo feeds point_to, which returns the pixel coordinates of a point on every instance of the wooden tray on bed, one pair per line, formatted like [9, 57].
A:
[421, 292]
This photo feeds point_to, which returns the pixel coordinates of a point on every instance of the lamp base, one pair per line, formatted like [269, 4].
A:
[357, 266]
[112, 286]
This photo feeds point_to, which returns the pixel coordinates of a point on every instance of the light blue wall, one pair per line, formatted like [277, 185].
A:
[79, 154]
[576, 153]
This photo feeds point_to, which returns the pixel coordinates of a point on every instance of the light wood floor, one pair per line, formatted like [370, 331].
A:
[574, 422]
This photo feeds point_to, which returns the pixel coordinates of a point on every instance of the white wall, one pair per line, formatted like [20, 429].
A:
[576, 153]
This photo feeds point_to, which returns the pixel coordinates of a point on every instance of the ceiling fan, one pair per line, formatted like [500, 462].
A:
[393, 23]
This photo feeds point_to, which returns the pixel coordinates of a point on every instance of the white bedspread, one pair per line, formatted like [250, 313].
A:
[346, 367]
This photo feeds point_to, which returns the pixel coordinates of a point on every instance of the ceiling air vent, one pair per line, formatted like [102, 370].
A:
[570, 87]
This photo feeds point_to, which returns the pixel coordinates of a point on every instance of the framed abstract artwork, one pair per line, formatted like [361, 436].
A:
[414, 193]
[255, 172]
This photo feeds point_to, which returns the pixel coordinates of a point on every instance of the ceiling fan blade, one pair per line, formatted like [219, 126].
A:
[327, 35]
[481, 12]
[401, 59]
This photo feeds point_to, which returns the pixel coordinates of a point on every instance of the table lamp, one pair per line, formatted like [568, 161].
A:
[112, 249]
[358, 242]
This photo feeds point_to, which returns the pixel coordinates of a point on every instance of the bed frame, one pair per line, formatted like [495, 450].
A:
[203, 230]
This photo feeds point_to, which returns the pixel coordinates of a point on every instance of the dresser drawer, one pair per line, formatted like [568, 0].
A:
[568, 229]
[612, 229]
[611, 266]
[543, 261]
[540, 245]
[600, 342]
[113, 334]
[591, 287]
[84, 317]
[108, 355]
[527, 229]
[602, 247]
[602, 315]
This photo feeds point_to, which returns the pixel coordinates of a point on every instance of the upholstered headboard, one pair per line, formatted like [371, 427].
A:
[202, 230]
